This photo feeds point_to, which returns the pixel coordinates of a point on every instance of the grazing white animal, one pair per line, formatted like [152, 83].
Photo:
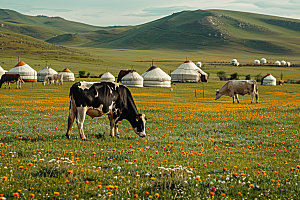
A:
[234, 87]
[55, 78]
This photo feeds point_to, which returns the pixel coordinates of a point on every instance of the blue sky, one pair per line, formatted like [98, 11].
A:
[133, 12]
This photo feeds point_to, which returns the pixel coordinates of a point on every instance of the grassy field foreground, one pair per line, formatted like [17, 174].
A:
[196, 147]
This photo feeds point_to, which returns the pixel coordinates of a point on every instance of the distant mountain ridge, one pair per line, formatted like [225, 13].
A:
[201, 29]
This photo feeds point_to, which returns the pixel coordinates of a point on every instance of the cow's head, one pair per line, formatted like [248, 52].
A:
[218, 95]
[139, 125]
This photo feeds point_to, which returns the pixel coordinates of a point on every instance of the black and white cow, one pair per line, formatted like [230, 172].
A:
[97, 99]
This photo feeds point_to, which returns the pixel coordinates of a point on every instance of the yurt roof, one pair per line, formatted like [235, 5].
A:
[156, 74]
[67, 70]
[46, 71]
[188, 67]
[132, 76]
[22, 67]
[107, 77]
[269, 76]
[27, 73]
[21, 63]
[198, 64]
[132, 80]
[277, 62]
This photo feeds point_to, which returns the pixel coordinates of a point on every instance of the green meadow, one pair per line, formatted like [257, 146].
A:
[195, 148]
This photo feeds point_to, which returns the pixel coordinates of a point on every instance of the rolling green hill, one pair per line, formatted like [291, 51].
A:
[40, 27]
[213, 29]
[216, 30]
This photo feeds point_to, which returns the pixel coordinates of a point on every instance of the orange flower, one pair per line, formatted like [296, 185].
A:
[212, 193]
[30, 164]
[152, 178]
[70, 171]
[223, 195]
[156, 195]
[109, 193]
[32, 196]
[21, 167]
[56, 193]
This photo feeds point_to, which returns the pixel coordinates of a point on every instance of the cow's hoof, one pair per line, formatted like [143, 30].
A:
[118, 136]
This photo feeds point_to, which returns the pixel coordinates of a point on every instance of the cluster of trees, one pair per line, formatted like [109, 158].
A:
[83, 75]
[235, 76]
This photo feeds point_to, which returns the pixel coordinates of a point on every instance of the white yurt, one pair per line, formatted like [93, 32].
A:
[256, 62]
[2, 71]
[277, 63]
[188, 72]
[44, 72]
[27, 73]
[107, 77]
[67, 75]
[198, 64]
[263, 61]
[288, 64]
[155, 77]
[283, 63]
[132, 80]
[268, 80]
[234, 62]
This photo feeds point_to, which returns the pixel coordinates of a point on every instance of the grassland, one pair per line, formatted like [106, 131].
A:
[196, 148]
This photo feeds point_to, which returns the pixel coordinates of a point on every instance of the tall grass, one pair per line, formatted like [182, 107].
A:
[196, 148]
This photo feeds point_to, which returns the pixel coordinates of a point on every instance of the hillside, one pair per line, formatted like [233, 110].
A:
[216, 30]
[13, 45]
[40, 27]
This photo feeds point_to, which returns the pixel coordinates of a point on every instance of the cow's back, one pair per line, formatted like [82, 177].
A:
[243, 86]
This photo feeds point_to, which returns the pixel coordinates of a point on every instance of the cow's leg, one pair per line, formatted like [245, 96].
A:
[117, 129]
[252, 94]
[256, 96]
[112, 125]
[233, 98]
[237, 98]
[9, 85]
[81, 112]
[5, 85]
[72, 115]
